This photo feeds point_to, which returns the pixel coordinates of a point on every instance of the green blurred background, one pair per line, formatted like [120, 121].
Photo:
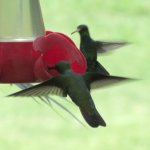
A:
[26, 125]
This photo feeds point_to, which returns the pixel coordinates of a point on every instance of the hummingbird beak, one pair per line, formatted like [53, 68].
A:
[75, 31]
[50, 68]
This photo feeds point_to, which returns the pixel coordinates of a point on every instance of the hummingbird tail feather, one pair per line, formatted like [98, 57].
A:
[93, 120]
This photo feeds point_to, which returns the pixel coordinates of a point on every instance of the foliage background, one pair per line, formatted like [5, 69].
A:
[26, 125]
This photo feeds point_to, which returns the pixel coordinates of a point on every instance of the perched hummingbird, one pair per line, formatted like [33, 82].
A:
[77, 87]
[90, 48]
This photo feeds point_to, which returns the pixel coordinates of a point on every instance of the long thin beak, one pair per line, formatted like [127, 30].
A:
[75, 31]
[50, 68]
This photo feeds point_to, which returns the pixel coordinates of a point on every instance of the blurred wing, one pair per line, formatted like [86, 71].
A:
[96, 80]
[52, 86]
[103, 47]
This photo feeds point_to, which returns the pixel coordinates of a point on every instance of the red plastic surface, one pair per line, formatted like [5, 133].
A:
[17, 62]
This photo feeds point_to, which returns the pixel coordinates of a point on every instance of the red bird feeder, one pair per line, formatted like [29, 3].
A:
[26, 49]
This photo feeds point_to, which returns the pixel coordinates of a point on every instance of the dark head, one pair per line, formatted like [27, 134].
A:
[81, 29]
[61, 66]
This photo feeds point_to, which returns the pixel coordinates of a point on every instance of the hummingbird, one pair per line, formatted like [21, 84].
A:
[91, 48]
[75, 85]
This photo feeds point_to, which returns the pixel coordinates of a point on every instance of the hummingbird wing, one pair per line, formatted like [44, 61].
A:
[52, 86]
[103, 47]
[96, 80]
[100, 69]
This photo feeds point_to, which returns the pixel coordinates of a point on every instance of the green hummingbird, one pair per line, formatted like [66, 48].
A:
[90, 49]
[77, 87]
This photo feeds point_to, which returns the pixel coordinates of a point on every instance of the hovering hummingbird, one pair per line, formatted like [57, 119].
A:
[90, 48]
[77, 87]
